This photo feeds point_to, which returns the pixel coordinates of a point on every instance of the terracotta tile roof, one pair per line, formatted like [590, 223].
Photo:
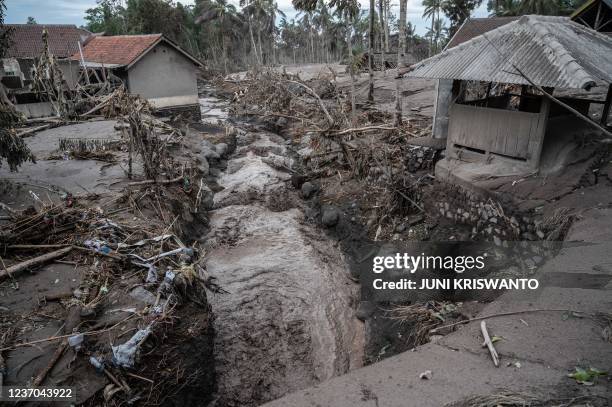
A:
[118, 49]
[478, 26]
[63, 40]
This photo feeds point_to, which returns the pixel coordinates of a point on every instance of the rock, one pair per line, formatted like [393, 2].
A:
[209, 151]
[497, 241]
[204, 167]
[207, 199]
[400, 228]
[309, 189]
[365, 311]
[282, 122]
[540, 234]
[330, 216]
[297, 180]
[215, 172]
[141, 294]
[221, 149]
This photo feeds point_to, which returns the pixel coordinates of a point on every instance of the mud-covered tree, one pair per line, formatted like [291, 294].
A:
[12, 147]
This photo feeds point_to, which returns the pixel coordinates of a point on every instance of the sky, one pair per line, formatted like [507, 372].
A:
[73, 11]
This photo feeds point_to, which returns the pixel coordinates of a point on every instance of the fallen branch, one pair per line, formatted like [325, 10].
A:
[33, 130]
[330, 120]
[489, 344]
[152, 181]
[347, 131]
[10, 271]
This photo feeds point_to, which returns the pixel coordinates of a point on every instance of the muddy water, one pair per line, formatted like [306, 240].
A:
[288, 321]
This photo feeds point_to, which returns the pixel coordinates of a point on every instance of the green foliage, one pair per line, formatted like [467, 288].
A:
[458, 11]
[5, 33]
[586, 377]
[31, 20]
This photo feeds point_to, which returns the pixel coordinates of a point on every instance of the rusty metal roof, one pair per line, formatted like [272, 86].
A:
[27, 40]
[550, 51]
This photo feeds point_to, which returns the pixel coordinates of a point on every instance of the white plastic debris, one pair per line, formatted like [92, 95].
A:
[151, 274]
[76, 341]
[125, 355]
[98, 365]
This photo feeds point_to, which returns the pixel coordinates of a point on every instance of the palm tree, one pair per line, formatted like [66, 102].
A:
[227, 17]
[506, 8]
[371, 52]
[401, 49]
[437, 35]
[432, 12]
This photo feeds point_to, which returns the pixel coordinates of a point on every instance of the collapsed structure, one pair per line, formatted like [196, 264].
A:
[150, 66]
[502, 120]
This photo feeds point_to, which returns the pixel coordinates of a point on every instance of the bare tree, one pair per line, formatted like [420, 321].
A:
[371, 52]
[401, 49]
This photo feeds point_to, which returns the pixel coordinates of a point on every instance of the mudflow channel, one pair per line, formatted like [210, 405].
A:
[288, 321]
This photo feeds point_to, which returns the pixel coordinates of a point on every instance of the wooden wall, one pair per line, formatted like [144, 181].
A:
[510, 133]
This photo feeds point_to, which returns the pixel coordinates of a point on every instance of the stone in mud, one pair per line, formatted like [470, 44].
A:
[309, 189]
[204, 166]
[297, 180]
[330, 216]
[221, 149]
[209, 151]
[207, 200]
[366, 310]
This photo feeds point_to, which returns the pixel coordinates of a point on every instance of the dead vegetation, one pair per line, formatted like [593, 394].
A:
[509, 399]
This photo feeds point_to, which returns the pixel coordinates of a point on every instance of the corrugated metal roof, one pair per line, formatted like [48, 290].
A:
[550, 51]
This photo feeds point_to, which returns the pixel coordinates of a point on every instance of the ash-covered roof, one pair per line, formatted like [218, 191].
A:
[123, 50]
[63, 40]
[477, 26]
[550, 51]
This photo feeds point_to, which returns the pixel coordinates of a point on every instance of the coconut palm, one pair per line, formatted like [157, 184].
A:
[227, 17]
[432, 12]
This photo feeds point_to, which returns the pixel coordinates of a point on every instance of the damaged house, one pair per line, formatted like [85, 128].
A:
[16, 70]
[500, 121]
[149, 65]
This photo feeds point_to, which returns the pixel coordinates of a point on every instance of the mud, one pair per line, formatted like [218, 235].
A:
[288, 320]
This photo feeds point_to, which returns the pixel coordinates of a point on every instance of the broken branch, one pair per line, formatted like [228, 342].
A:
[489, 343]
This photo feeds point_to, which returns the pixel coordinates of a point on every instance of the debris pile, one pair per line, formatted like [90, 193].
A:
[131, 276]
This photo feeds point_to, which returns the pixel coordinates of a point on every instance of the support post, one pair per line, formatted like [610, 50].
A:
[606, 109]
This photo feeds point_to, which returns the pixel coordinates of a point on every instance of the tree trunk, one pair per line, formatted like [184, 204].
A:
[253, 45]
[371, 52]
[382, 36]
[386, 25]
[352, 73]
[432, 34]
[400, 53]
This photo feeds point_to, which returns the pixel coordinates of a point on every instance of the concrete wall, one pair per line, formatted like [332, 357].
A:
[444, 90]
[70, 71]
[36, 110]
[165, 77]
